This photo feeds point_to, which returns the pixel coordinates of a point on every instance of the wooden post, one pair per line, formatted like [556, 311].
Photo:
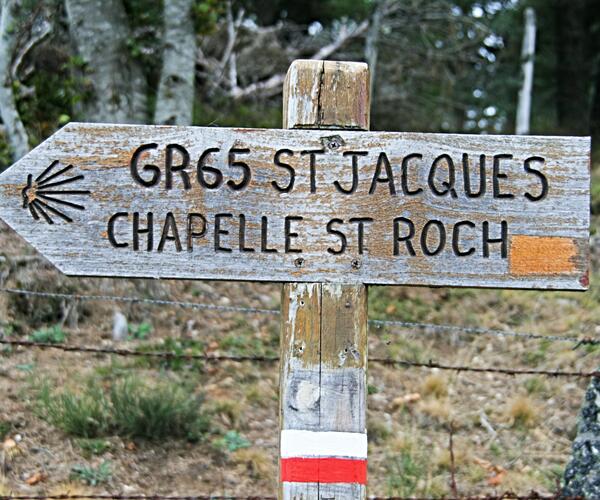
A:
[323, 440]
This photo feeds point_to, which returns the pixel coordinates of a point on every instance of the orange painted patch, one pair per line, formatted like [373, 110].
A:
[542, 255]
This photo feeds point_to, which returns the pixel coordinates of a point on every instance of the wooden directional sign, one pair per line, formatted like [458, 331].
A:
[306, 205]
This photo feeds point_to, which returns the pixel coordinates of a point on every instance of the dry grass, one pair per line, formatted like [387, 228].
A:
[71, 489]
[522, 412]
[255, 462]
[435, 385]
[230, 412]
[442, 460]
[4, 488]
[437, 408]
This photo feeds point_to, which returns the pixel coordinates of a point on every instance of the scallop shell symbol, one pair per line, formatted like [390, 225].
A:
[45, 195]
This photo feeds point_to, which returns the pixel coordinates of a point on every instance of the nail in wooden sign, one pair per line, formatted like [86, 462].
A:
[306, 205]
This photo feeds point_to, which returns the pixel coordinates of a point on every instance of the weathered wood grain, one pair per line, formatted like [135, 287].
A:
[323, 453]
[323, 380]
[345, 104]
[102, 154]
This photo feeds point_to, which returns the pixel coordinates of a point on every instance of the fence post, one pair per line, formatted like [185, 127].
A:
[323, 388]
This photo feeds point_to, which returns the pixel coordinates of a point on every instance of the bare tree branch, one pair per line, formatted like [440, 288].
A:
[41, 33]
[273, 85]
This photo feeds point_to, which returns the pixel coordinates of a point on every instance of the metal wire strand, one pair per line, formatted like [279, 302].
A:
[533, 495]
[212, 358]
[428, 327]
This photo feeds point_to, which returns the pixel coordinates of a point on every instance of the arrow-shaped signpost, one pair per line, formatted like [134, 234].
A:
[343, 206]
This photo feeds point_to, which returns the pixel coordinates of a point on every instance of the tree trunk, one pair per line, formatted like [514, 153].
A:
[175, 100]
[595, 113]
[15, 130]
[595, 116]
[573, 67]
[372, 38]
[100, 31]
[527, 56]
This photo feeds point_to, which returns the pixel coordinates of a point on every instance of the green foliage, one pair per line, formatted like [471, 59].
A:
[83, 414]
[59, 87]
[403, 471]
[537, 355]
[141, 331]
[372, 389]
[141, 411]
[93, 446]
[26, 367]
[230, 442]
[5, 428]
[51, 335]
[227, 113]
[129, 408]
[5, 154]
[595, 192]
[178, 347]
[206, 13]
[495, 449]
[146, 23]
[382, 300]
[92, 475]
[535, 385]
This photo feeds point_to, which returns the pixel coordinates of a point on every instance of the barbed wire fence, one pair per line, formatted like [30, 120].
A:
[400, 328]
[503, 496]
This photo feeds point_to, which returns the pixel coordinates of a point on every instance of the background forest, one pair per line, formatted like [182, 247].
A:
[437, 65]
[82, 423]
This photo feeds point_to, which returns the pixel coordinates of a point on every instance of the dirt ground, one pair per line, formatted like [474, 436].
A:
[510, 432]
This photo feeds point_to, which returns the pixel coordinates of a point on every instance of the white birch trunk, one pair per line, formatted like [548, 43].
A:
[13, 126]
[175, 100]
[100, 31]
[527, 56]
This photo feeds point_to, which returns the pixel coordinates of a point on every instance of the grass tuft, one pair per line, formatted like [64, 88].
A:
[435, 385]
[92, 475]
[522, 412]
[129, 408]
[232, 441]
[256, 463]
[93, 446]
[82, 414]
[141, 411]
[51, 335]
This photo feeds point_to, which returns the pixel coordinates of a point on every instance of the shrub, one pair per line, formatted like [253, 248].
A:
[82, 415]
[52, 335]
[129, 408]
[155, 412]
